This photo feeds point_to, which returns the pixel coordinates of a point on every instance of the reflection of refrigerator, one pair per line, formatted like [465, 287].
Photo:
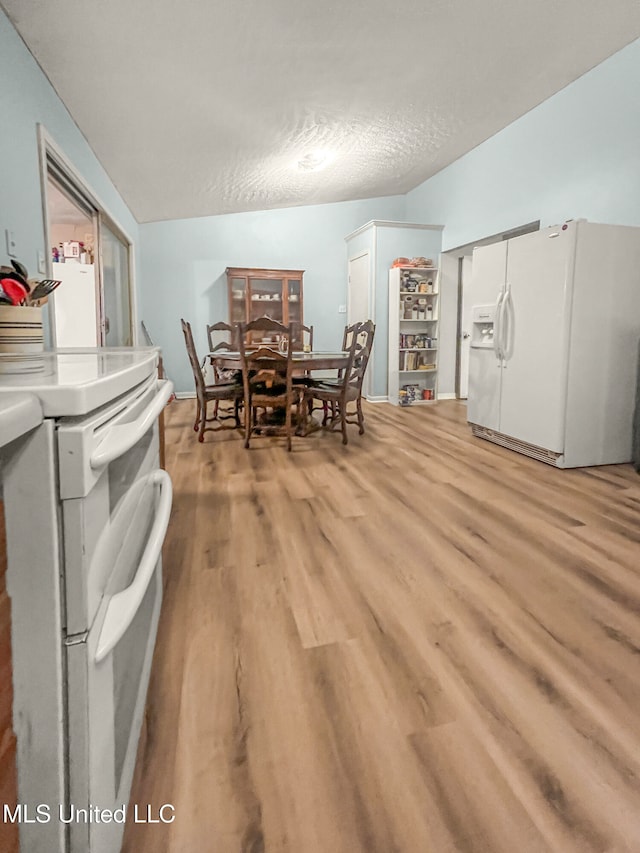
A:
[556, 324]
[75, 306]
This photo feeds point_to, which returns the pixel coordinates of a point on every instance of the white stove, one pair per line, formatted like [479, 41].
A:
[87, 507]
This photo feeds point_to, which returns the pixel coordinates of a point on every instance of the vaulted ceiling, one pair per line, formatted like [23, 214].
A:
[203, 107]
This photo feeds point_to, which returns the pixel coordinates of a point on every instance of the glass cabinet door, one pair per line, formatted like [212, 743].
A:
[266, 299]
[293, 289]
[238, 310]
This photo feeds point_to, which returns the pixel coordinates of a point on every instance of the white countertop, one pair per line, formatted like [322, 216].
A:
[76, 381]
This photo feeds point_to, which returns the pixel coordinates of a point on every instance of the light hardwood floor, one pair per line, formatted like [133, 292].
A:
[420, 642]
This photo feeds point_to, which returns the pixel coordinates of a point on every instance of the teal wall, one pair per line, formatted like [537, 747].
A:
[575, 155]
[26, 99]
[184, 264]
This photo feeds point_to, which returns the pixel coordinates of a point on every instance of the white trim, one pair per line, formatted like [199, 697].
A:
[47, 143]
[378, 399]
[133, 303]
[449, 395]
[371, 298]
[373, 278]
[185, 395]
[389, 223]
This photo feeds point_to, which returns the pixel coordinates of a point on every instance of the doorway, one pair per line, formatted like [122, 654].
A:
[93, 306]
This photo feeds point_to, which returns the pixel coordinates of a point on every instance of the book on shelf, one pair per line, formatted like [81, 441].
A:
[414, 360]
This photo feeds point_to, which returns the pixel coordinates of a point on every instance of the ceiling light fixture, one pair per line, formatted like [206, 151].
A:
[315, 160]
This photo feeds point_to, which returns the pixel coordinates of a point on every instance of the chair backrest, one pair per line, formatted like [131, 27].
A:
[347, 340]
[228, 344]
[263, 330]
[309, 331]
[348, 334]
[362, 335]
[193, 359]
[267, 367]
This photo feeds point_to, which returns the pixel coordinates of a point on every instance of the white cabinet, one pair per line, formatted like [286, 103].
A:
[413, 334]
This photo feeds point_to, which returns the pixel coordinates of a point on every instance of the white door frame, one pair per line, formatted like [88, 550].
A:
[369, 313]
[464, 330]
[47, 146]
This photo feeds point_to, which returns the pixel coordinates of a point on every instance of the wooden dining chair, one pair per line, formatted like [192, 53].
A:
[222, 375]
[347, 338]
[230, 392]
[338, 393]
[267, 376]
[228, 333]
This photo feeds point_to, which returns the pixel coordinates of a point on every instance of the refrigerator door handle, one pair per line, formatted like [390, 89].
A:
[507, 328]
[497, 327]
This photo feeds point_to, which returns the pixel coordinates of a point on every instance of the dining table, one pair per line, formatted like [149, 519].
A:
[304, 362]
[315, 360]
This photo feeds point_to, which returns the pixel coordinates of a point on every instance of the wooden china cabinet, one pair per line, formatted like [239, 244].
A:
[255, 293]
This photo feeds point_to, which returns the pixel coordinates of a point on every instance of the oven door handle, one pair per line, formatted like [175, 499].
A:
[122, 437]
[124, 605]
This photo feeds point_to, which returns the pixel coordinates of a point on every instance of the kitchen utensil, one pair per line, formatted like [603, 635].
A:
[14, 290]
[20, 269]
[43, 288]
[7, 272]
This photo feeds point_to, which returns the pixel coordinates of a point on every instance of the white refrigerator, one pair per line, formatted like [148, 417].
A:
[554, 341]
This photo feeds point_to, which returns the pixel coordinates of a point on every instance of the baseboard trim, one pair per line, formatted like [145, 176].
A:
[447, 396]
[378, 399]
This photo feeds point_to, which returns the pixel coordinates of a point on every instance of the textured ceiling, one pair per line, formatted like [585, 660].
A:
[200, 107]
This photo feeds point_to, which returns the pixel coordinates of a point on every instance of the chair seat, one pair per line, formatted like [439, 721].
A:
[272, 400]
[223, 392]
[329, 393]
[327, 383]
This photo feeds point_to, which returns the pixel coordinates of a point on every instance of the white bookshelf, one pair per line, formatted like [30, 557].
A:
[413, 332]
